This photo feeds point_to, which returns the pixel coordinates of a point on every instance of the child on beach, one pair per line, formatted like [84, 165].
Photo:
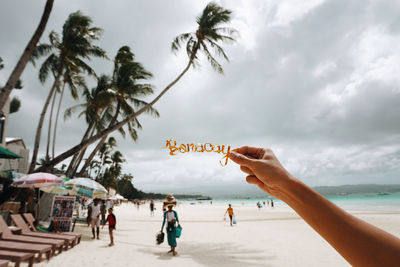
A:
[230, 213]
[112, 222]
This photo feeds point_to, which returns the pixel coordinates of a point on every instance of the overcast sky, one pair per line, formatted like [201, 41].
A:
[317, 81]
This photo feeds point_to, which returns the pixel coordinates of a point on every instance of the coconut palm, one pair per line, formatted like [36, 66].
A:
[66, 61]
[97, 110]
[26, 55]
[126, 86]
[207, 37]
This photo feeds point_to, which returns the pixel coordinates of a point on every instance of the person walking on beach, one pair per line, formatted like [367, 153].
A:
[103, 211]
[152, 208]
[171, 217]
[112, 223]
[95, 218]
[230, 213]
[359, 242]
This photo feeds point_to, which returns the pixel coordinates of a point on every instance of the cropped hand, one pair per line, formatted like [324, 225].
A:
[263, 169]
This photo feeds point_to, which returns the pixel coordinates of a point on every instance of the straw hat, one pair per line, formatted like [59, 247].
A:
[169, 200]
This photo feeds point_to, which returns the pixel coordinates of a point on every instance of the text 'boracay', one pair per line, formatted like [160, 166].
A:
[206, 147]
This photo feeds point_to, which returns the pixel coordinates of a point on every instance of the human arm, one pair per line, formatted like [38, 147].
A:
[360, 243]
[176, 217]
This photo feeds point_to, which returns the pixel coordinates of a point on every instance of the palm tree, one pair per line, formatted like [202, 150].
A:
[66, 61]
[26, 55]
[209, 33]
[97, 109]
[126, 88]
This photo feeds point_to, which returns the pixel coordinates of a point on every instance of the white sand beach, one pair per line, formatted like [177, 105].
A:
[269, 237]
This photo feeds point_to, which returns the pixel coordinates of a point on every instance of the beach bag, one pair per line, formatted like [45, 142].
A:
[160, 238]
[178, 231]
[234, 220]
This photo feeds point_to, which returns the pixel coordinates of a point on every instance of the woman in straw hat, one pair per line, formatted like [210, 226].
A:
[171, 217]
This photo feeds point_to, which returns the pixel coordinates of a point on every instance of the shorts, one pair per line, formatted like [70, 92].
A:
[111, 227]
[230, 217]
[95, 222]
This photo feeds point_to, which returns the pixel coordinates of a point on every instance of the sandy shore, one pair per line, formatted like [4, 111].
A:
[269, 237]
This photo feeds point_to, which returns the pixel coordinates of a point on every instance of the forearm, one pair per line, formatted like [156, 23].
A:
[360, 243]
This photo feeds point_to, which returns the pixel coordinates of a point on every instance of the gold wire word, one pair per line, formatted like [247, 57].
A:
[207, 147]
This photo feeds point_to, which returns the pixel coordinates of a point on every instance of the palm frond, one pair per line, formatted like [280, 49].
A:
[179, 40]
[132, 132]
[218, 49]
[71, 110]
[213, 62]
[50, 64]
[81, 64]
[140, 104]
[40, 51]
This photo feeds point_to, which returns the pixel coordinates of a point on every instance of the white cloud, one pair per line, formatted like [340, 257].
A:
[288, 11]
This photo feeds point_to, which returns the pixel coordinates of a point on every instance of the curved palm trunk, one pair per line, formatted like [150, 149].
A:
[99, 145]
[75, 157]
[50, 124]
[81, 155]
[56, 122]
[26, 55]
[114, 127]
[40, 124]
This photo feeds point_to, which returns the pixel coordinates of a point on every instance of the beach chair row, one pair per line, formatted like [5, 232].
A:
[27, 244]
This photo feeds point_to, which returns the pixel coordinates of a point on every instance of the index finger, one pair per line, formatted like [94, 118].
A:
[246, 150]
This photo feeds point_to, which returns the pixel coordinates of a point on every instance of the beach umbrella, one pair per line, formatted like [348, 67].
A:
[86, 187]
[58, 189]
[37, 180]
[119, 197]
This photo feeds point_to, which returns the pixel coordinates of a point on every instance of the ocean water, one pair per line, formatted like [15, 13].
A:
[360, 202]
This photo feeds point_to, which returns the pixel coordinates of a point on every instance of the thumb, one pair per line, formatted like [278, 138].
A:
[240, 159]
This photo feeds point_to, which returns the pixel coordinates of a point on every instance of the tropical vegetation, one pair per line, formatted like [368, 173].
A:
[116, 101]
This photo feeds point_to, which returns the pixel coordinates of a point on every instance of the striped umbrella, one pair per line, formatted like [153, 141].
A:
[58, 189]
[86, 187]
[36, 180]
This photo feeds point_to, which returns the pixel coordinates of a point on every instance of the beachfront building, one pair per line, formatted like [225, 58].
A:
[4, 113]
[15, 145]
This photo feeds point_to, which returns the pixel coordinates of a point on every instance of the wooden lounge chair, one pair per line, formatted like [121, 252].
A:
[4, 263]
[19, 222]
[27, 247]
[31, 220]
[9, 236]
[17, 257]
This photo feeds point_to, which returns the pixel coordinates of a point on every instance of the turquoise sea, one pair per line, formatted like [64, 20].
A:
[354, 202]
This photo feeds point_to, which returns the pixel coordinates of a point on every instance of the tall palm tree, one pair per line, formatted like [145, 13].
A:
[208, 36]
[126, 87]
[26, 55]
[97, 109]
[66, 61]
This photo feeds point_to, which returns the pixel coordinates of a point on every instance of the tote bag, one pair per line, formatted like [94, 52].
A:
[234, 220]
[178, 231]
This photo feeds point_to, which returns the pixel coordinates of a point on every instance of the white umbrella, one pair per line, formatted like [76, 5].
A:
[86, 187]
[37, 180]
